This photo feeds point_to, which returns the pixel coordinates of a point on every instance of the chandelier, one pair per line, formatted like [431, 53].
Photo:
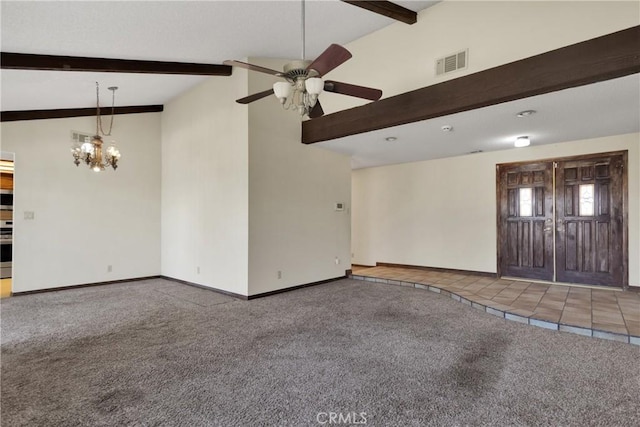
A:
[92, 153]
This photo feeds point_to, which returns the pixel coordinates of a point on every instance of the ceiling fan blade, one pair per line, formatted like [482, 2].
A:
[332, 57]
[254, 97]
[316, 111]
[252, 67]
[352, 90]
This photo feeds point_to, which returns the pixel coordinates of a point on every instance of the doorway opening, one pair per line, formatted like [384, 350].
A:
[6, 223]
[564, 220]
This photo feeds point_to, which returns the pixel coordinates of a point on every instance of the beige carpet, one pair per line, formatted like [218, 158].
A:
[161, 353]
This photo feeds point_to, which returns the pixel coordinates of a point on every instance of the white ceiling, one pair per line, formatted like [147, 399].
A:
[182, 31]
[213, 31]
[607, 108]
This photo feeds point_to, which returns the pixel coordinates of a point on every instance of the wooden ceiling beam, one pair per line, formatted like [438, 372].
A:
[603, 58]
[27, 61]
[388, 9]
[12, 116]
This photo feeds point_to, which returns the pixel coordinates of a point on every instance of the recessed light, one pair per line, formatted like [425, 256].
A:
[390, 138]
[522, 141]
[526, 113]
[447, 128]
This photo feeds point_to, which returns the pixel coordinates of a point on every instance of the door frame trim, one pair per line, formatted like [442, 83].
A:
[625, 204]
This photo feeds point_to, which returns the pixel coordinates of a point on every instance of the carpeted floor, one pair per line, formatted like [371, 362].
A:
[161, 353]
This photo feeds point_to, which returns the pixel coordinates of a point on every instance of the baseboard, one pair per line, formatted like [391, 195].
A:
[84, 285]
[293, 288]
[184, 282]
[208, 288]
[362, 265]
[437, 269]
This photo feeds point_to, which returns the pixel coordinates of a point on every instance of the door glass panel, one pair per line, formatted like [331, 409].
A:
[586, 200]
[526, 206]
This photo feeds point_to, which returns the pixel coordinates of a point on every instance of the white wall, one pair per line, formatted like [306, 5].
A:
[293, 227]
[401, 57]
[442, 213]
[242, 198]
[205, 185]
[84, 220]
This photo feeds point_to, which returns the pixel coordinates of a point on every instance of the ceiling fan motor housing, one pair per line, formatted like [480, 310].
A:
[297, 70]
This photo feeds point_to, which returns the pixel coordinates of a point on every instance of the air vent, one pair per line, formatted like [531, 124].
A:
[80, 137]
[450, 63]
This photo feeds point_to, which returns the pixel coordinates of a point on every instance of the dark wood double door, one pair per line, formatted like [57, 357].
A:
[564, 220]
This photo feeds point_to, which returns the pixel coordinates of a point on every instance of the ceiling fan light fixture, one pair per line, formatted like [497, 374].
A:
[314, 85]
[282, 91]
[303, 80]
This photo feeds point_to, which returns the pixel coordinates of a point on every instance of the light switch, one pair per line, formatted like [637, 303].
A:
[29, 215]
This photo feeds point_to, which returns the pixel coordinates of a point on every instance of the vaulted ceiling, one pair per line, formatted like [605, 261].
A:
[212, 31]
[182, 31]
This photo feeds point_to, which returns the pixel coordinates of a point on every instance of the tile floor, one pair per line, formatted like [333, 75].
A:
[603, 313]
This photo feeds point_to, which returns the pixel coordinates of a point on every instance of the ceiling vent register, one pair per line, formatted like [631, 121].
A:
[451, 63]
[80, 137]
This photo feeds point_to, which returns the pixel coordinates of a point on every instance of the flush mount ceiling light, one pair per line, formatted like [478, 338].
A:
[447, 128]
[526, 113]
[391, 138]
[91, 152]
[522, 141]
[304, 80]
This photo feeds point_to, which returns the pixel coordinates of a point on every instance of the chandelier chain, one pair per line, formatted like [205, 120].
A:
[99, 128]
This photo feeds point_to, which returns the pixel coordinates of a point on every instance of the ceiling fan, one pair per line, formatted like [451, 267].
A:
[304, 80]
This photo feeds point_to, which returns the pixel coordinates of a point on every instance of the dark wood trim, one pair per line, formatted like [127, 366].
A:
[388, 9]
[27, 61]
[362, 265]
[625, 220]
[208, 288]
[293, 288]
[12, 116]
[499, 272]
[84, 285]
[603, 58]
[564, 158]
[437, 269]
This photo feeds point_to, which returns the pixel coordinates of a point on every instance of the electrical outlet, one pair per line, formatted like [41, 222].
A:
[29, 215]
[109, 268]
[353, 255]
[279, 274]
[198, 269]
[337, 260]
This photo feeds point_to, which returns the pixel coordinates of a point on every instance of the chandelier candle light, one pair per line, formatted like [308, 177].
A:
[92, 152]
